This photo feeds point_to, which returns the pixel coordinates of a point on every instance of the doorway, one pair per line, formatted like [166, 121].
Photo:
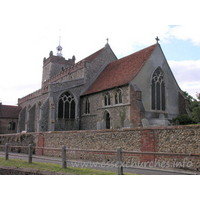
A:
[107, 121]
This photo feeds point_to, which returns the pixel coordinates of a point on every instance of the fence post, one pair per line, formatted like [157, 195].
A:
[6, 151]
[119, 159]
[64, 162]
[30, 152]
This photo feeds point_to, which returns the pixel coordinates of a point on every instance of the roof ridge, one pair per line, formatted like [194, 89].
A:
[122, 71]
[137, 51]
[94, 55]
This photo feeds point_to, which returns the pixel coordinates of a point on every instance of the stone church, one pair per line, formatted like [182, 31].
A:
[103, 92]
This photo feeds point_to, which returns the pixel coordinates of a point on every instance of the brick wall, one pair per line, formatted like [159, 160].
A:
[136, 111]
[4, 125]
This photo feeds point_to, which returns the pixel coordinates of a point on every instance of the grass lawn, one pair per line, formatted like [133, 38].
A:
[18, 163]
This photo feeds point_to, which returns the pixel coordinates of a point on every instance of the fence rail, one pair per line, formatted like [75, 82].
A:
[118, 152]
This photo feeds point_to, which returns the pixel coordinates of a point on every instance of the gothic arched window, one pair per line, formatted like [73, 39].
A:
[107, 99]
[87, 106]
[107, 121]
[66, 106]
[118, 97]
[158, 90]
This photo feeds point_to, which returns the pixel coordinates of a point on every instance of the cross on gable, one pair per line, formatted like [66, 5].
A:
[157, 39]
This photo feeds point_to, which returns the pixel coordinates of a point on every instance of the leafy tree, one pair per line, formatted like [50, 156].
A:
[198, 96]
[196, 114]
[193, 103]
[189, 97]
[194, 106]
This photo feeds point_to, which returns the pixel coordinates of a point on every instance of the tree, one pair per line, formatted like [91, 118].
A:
[189, 97]
[198, 96]
[196, 114]
[194, 106]
[193, 103]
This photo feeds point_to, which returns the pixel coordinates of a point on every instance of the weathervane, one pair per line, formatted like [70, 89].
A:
[157, 39]
[107, 40]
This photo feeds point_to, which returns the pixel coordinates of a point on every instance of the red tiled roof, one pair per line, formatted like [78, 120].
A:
[9, 111]
[94, 55]
[121, 72]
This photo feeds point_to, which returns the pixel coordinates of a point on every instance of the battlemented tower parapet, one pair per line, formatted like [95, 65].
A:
[54, 65]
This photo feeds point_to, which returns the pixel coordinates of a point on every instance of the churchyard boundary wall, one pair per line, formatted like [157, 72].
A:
[177, 145]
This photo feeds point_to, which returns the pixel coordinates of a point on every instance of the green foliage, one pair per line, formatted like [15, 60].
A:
[194, 106]
[189, 97]
[184, 120]
[196, 114]
[198, 96]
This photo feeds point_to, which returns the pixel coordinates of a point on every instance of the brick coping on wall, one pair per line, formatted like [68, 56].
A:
[112, 130]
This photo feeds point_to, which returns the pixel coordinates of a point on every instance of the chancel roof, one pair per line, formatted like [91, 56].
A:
[120, 72]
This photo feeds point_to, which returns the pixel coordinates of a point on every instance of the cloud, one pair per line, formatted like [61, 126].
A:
[31, 30]
[187, 75]
[187, 32]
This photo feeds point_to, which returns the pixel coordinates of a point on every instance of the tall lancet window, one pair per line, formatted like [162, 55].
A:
[118, 97]
[158, 90]
[87, 106]
[66, 106]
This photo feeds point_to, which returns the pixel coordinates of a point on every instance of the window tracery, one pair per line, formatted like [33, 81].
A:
[107, 99]
[158, 90]
[66, 106]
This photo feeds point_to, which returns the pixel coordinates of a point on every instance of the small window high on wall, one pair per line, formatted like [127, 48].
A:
[107, 99]
[11, 125]
[66, 106]
[87, 106]
[158, 90]
[118, 97]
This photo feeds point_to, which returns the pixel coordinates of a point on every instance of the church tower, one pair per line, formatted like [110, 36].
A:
[55, 64]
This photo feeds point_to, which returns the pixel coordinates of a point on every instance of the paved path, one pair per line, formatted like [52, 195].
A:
[100, 166]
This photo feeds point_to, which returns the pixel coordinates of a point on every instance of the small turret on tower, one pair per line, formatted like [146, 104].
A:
[55, 64]
[59, 49]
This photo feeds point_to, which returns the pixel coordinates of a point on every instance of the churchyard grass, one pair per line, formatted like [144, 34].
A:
[18, 163]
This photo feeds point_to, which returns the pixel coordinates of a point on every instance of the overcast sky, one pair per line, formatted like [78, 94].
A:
[31, 29]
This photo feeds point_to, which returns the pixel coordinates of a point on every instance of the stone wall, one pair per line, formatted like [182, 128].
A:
[19, 140]
[119, 113]
[177, 139]
[22, 120]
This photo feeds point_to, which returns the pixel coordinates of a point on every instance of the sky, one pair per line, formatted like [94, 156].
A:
[31, 29]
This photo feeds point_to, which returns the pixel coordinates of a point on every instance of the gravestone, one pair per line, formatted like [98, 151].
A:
[98, 125]
[104, 125]
[126, 123]
[145, 122]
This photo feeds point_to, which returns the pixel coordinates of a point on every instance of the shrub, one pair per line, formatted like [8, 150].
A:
[196, 114]
[184, 120]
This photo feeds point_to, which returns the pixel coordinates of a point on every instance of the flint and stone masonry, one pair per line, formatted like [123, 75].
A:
[177, 139]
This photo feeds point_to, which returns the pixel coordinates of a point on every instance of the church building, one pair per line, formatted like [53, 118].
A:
[103, 92]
